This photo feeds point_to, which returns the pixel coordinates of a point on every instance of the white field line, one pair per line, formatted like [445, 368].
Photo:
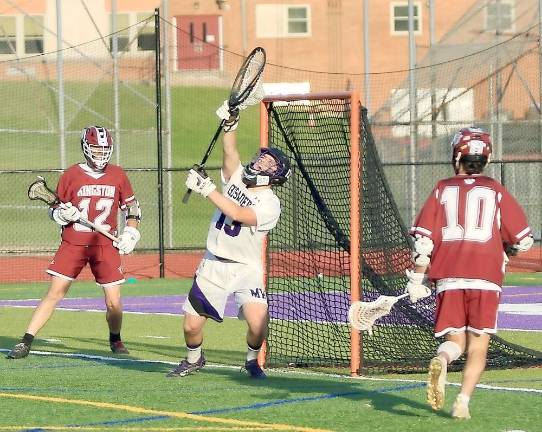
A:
[273, 371]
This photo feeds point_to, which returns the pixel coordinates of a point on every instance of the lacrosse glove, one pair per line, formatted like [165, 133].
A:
[423, 246]
[127, 240]
[229, 115]
[415, 286]
[198, 181]
[66, 213]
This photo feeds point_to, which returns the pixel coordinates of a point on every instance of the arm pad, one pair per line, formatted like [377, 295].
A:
[133, 210]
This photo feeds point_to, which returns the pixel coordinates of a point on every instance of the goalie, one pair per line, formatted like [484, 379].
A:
[94, 190]
[459, 236]
[246, 210]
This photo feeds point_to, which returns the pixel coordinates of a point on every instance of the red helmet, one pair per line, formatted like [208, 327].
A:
[471, 144]
[97, 146]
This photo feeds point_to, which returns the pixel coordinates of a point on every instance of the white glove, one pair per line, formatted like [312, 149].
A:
[199, 181]
[524, 244]
[127, 240]
[66, 213]
[415, 286]
[423, 247]
[231, 116]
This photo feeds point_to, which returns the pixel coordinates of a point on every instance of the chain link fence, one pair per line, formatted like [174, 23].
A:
[46, 102]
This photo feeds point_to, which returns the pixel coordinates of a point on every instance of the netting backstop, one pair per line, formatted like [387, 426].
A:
[314, 266]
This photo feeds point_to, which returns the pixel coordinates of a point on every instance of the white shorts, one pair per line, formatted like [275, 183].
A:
[216, 279]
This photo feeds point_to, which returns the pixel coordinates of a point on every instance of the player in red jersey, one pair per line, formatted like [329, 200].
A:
[95, 191]
[460, 237]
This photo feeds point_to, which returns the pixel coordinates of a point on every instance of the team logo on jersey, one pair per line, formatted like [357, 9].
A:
[237, 194]
[258, 293]
[97, 190]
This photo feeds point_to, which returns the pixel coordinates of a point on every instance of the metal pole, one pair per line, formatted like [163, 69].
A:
[159, 140]
[413, 106]
[115, 54]
[540, 72]
[433, 76]
[60, 81]
[244, 33]
[498, 81]
[367, 58]
[168, 130]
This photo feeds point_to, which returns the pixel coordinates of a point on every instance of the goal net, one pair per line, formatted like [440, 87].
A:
[340, 239]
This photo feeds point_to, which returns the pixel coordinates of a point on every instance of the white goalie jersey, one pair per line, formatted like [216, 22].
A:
[238, 242]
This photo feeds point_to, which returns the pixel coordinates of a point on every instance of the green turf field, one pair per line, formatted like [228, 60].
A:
[82, 386]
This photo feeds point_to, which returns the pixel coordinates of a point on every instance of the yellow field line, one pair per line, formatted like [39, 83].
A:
[153, 429]
[174, 414]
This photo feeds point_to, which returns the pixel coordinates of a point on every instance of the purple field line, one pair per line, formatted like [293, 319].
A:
[521, 307]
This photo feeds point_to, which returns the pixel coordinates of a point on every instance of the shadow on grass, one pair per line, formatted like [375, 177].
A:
[281, 390]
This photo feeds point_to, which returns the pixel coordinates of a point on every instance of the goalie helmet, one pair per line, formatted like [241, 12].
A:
[97, 146]
[269, 166]
[473, 145]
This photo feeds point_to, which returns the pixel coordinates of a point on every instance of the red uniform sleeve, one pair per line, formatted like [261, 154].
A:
[126, 193]
[62, 188]
[424, 223]
[514, 225]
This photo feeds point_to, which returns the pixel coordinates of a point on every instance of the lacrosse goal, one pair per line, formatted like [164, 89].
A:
[341, 239]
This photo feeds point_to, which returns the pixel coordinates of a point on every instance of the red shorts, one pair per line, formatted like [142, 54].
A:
[466, 310]
[104, 262]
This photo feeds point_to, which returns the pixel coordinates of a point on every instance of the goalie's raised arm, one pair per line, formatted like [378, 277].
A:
[230, 158]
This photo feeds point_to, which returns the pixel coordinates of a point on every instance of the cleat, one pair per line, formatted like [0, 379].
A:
[185, 368]
[118, 348]
[254, 370]
[436, 382]
[19, 351]
[460, 410]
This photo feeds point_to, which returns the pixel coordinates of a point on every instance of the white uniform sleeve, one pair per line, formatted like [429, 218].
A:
[267, 212]
[234, 177]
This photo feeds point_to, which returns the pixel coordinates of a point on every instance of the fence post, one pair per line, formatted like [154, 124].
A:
[159, 140]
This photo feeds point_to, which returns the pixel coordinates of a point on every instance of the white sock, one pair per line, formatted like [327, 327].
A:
[252, 354]
[463, 398]
[194, 353]
[449, 350]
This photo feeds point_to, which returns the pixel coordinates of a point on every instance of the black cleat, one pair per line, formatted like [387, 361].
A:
[185, 368]
[254, 370]
[21, 350]
[118, 348]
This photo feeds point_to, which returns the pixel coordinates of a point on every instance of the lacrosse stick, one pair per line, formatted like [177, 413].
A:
[247, 90]
[38, 190]
[362, 315]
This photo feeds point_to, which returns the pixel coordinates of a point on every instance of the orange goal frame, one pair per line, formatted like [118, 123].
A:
[355, 202]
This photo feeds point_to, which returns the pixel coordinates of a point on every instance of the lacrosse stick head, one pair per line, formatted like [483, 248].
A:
[362, 315]
[247, 88]
[38, 190]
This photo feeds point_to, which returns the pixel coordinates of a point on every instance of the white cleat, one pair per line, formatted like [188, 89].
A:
[436, 382]
[460, 410]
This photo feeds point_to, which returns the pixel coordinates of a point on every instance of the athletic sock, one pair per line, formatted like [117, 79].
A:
[463, 398]
[27, 339]
[193, 353]
[252, 353]
[114, 337]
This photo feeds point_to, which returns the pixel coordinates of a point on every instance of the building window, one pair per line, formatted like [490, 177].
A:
[33, 35]
[298, 20]
[282, 21]
[399, 18]
[506, 23]
[123, 33]
[145, 34]
[8, 35]
[135, 32]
